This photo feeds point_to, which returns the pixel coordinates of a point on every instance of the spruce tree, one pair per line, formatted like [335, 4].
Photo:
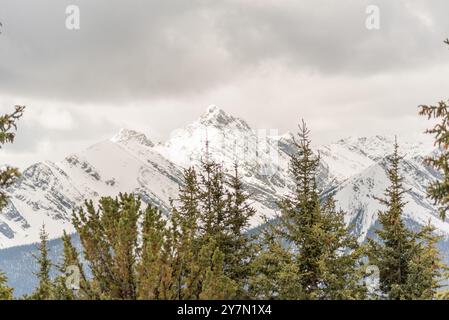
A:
[212, 208]
[341, 261]
[240, 246]
[408, 261]
[6, 293]
[109, 237]
[44, 291]
[427, 271]
[72, 282]
[226, 213]
[216, 285]
[7, 177]
[7, 127]
[324, 254]
[273, 275]
[154, 269]
[185, 234]
[439, 190]
[212, 192]
[140, 254]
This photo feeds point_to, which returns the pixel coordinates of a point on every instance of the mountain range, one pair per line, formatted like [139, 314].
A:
[353, 169]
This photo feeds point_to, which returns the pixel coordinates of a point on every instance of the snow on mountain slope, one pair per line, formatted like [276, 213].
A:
[43, 195]
[352, 168]
[357, 196]
[47, 193]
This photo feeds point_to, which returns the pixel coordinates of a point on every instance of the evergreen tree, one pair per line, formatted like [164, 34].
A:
[135, 254]
[273, 275]
[216, 285]
[109, 237]
[212, 192]
[6, 293]
[427, 271]
[154, 269]
[408, 261]
[212, 208]
[224, 214]
[45, 287]
[185, 231]
[324, 255]
[439, 190]
[8, 174]
[72, 283]
[341, 261]
[240, 247]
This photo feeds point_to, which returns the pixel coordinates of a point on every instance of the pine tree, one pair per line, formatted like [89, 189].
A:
[212, 192]
[109, 237]
[172, 259]
[185, 219]
[72, 282]
[45, 287]
[427, 271]
[324, 255]
[6, 293]
[154, 269]
[240, 246]
[216, 285]
[408, 261]
[211, 208]
[7, 177]
[224, 215]
[273, 275]
[8, 174]
[439, 190]
[341, 262]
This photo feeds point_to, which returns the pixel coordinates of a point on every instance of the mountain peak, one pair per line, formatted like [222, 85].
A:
[217, 117]
[213, 109]
[126, 135]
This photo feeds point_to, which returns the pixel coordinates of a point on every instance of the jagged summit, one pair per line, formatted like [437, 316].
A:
[217, 117]
[126, 135]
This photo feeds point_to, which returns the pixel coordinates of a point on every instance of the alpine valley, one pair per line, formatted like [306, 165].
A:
[353, 169]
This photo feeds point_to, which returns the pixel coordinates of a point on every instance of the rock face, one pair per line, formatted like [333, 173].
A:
[354, 169]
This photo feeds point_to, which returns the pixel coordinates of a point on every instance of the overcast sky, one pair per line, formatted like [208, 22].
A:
[154, 66]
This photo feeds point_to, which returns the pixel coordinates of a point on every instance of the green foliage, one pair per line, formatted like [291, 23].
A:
[140, 254]
[273, 275]
[408, 261]
[7, 135]
[322, 257]
[6, 293]
[72, 283]
[427, 271]
[154, 270]
[439, 190]
[216, 285]
[44, 290]
[211, 209]
[7, 177]
[109, 237]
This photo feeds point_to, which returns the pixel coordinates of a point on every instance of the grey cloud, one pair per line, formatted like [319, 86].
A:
[31, 133]
[140, 49]
[331, 37]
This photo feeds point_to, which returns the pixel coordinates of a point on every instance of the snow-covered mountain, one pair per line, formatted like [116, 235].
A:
[354, 169]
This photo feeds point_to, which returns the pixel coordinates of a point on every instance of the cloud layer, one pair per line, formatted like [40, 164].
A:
[139, 63]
